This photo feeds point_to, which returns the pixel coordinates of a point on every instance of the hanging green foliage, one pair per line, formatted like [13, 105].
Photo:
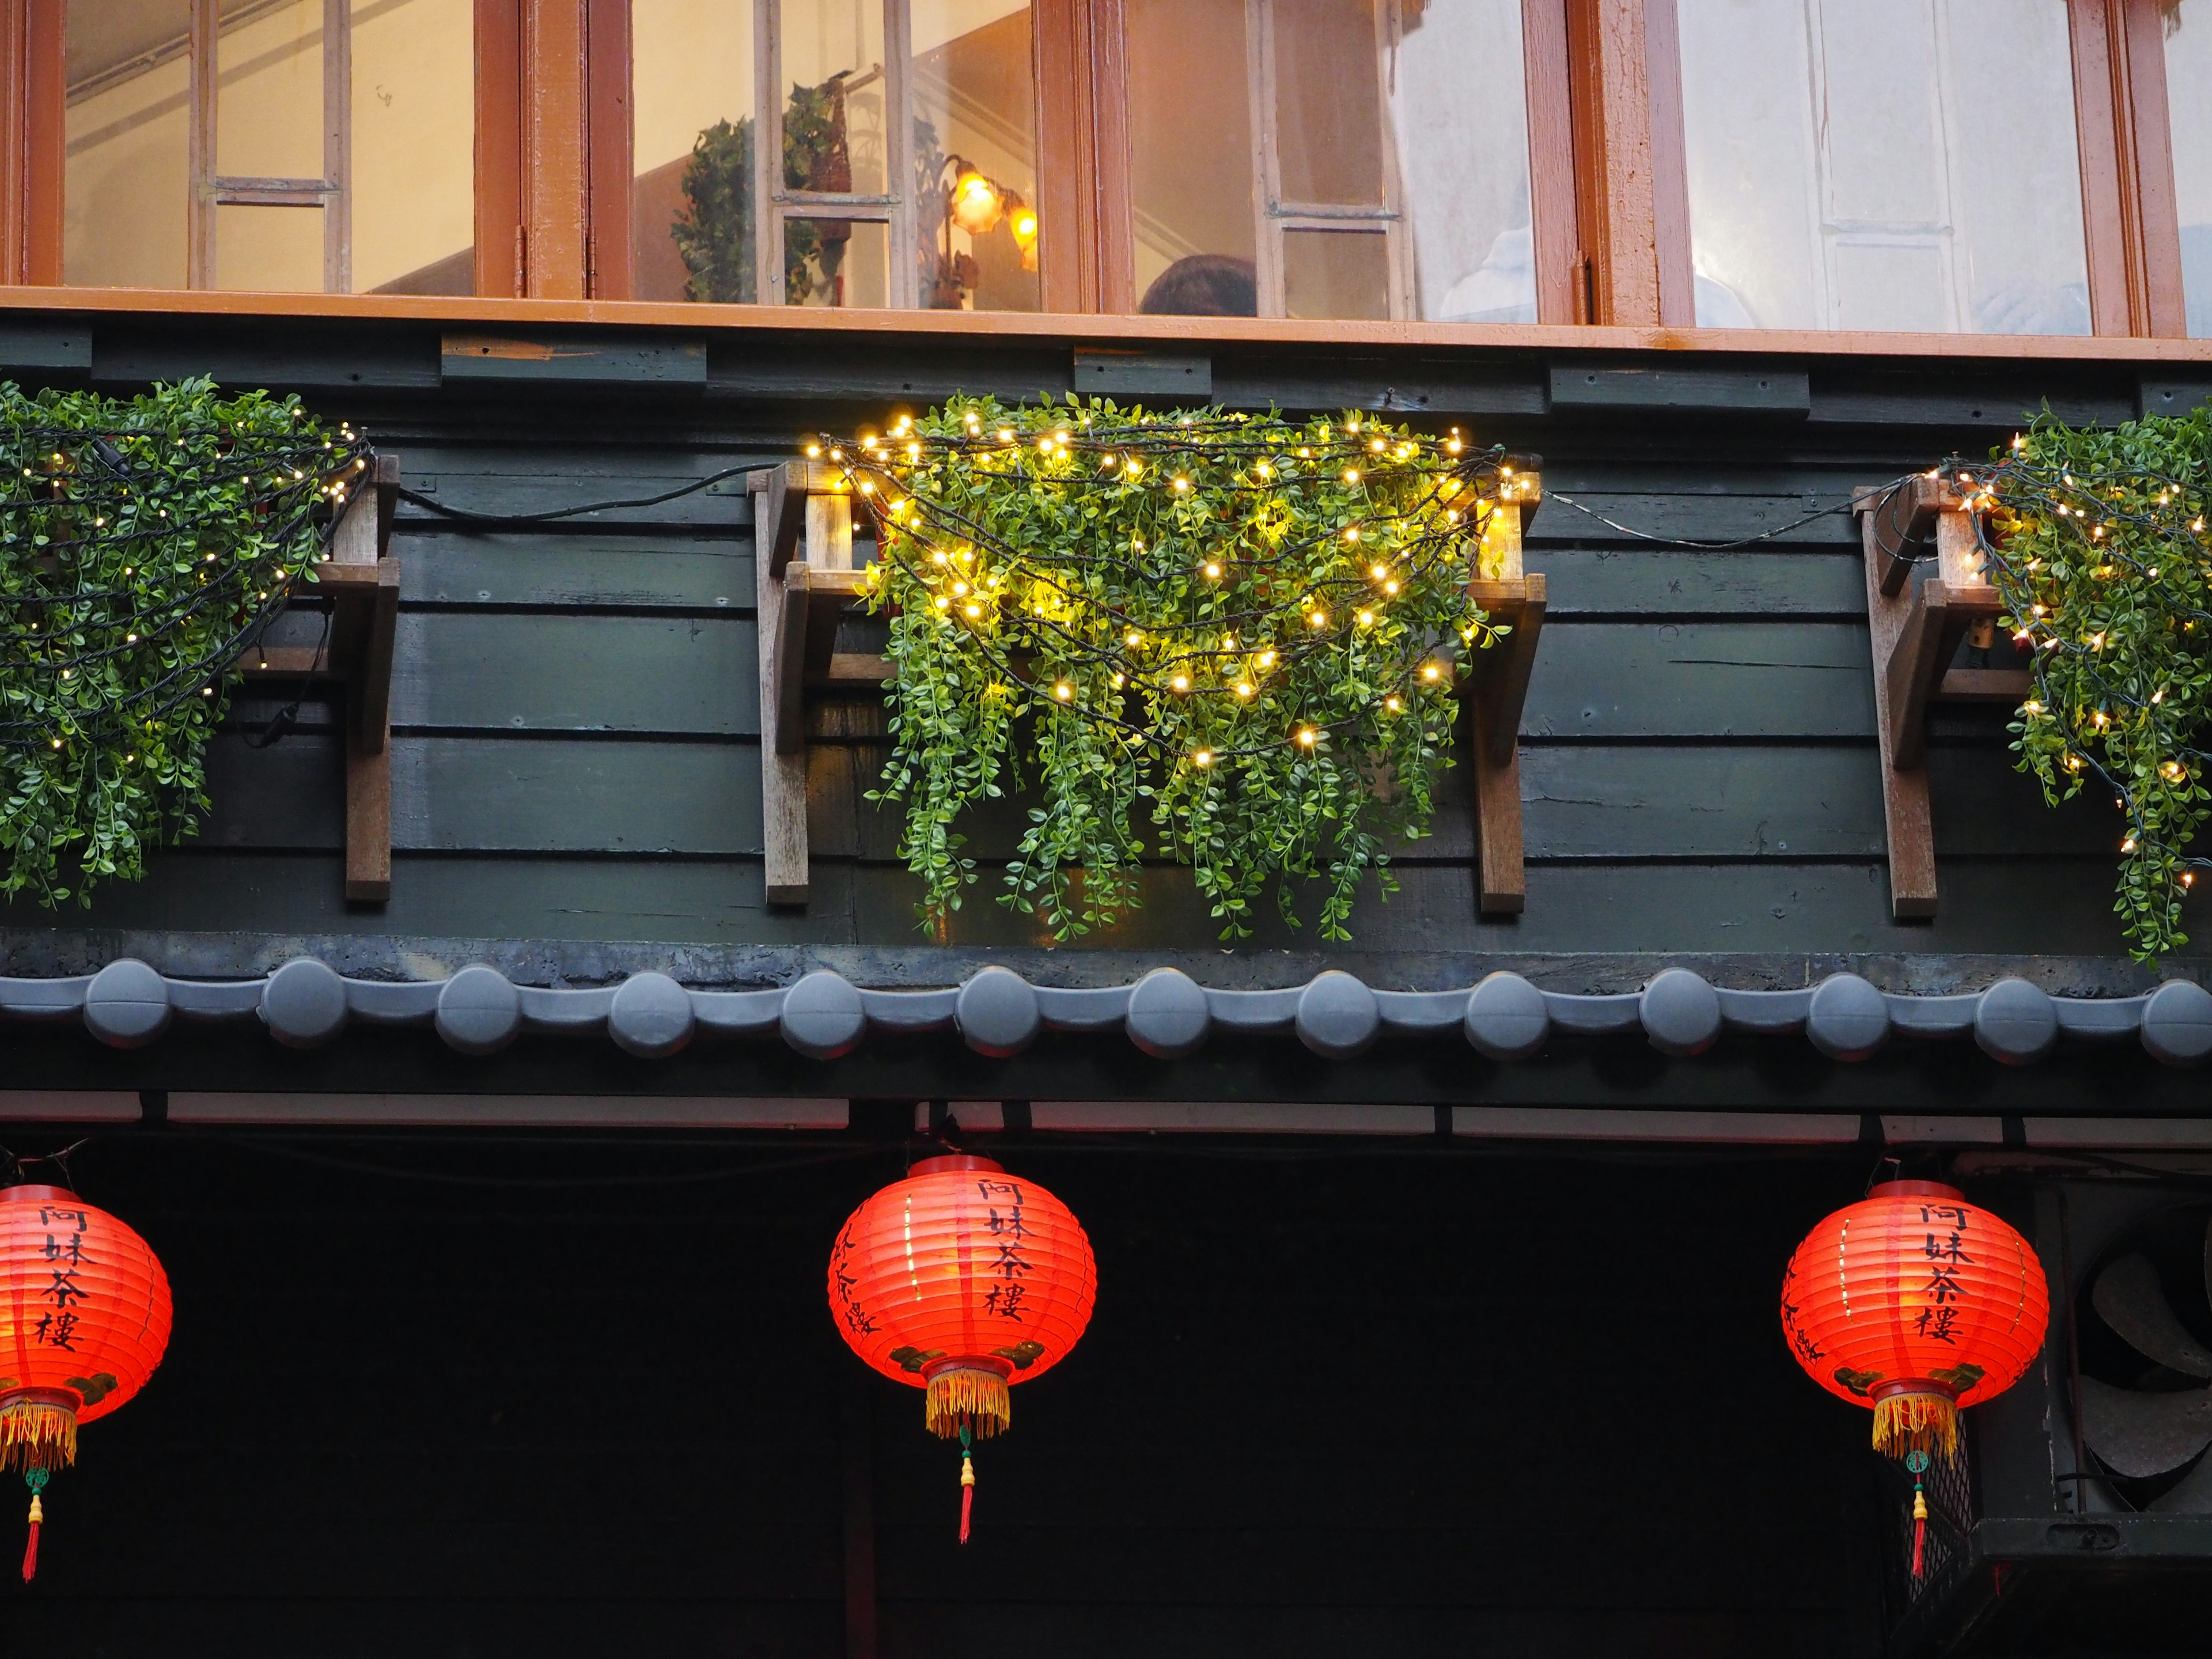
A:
[1251, 625]
[143, 545]
[2096, 542]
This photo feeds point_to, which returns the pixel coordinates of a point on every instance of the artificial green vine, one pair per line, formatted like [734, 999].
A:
[1252, 624]
[2096, 542]
[143, 545]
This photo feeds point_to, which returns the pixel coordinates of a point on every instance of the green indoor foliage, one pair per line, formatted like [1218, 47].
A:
[2099, 548]
[143, 545]
[715, 236]
[1251, 625]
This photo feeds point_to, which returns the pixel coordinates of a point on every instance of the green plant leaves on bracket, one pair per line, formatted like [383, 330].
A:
[2097, 547]
[143, 544]
[1242, 628]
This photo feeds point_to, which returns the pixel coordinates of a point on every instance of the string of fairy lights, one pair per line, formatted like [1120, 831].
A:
[2039, 523]
[117, 543]
[1325, 528]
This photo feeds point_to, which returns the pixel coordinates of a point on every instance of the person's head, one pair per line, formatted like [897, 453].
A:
[1204, 285]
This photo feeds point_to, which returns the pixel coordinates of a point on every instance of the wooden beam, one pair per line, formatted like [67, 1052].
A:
[1551, 160]
[858, 1442]
[1611, 95]
[2160, 307]
[1903, 793]
[754, 328]
[609, 266]
[31, 141]
[780, 495]
[556, 149]
[783, 759]
[368, 805]
[500, 254]
[1498, 690]
[2093, 26]
[1670, 166]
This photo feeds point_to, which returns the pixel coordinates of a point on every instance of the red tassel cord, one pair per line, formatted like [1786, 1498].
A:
[36, 1480]
[1919, 1528]
[967, 1485]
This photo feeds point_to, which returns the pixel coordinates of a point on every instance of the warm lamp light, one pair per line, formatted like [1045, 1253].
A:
[976, 204]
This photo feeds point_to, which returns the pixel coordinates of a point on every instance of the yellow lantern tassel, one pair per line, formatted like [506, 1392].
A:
[1920, 1419]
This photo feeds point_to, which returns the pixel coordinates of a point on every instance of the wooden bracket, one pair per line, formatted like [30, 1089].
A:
[1496, 690]
[802, 529]
[1916, 631]
[361, 583]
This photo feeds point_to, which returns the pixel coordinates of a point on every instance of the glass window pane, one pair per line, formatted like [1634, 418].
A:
[269, 97]
[836, 262]
[126, 179]
[1190, 157]
[413, 185]
[1459, 113]
[1884, 164]
[273, 249]
[975, 151]
[2189, 115]
[1414, 114]
[834, 131]
[408, 213]
[1328, 113]
[1336, 273]
[691, 145]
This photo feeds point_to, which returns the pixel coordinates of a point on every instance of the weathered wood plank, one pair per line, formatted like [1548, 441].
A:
[1718, 389]
[59, 345]
[1687, 517]
[279, 354]
[544, 483]
[569, 359]
[1599, 803]
[495, 795]
[1701, 680]
[1627, 582]
[509, 569]
[576, 673]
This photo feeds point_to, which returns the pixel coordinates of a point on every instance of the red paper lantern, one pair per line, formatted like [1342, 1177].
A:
[961, 1280]
[84, 1318]
[1914, 1303]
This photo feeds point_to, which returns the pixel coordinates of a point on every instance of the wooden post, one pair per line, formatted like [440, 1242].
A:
[1499, 688]
[860, 1460]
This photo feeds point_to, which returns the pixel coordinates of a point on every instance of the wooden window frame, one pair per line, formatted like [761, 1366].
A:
[1608, 173]
[2131, 223]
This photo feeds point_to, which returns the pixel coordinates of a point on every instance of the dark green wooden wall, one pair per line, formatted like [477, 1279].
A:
[575, 705]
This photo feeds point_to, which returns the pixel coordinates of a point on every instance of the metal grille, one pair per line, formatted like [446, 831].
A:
[1950, 1518]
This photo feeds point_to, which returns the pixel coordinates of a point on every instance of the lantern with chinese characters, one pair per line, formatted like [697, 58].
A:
[1914, 1302]
[84, 1318]
[961, 1280]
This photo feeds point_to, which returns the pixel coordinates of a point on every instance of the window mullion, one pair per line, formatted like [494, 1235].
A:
[1267, 184]
[899, 181]
[337, 146]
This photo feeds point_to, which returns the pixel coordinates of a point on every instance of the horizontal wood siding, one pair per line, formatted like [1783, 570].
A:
[575, 728]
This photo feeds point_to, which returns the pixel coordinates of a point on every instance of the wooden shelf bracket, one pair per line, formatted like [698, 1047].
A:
[1916, 630]
[1496, 691]
[803, 556]
[360, 582]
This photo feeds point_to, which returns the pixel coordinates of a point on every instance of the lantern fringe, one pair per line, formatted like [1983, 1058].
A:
[1917, 1422]
[968, 1398]
[37, 1434]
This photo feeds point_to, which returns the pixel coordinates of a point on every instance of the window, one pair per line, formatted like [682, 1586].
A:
[288, 145]
[2188, 25]
[1331, 158]
[1883, 164]
[901, 169]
